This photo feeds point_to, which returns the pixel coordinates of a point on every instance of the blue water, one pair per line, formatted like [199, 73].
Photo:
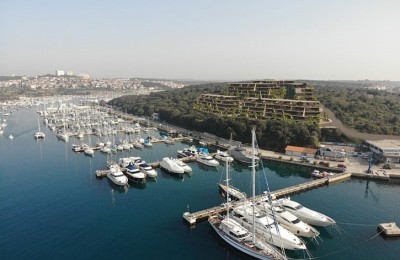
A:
[53, 207]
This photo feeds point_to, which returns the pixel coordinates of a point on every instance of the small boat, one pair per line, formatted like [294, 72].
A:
[116, 176]
[39, 134]
[223, 156]
[10, 137]
[105, 149]
[184, 166]
[240, 155]
[134, 174]
[147, 143]
[187, 152]
[305, 214]
[202, 143]
[88, 151]
[147, 169]
[171, 167]
[317, 174]
[169, 141]
[207, 160]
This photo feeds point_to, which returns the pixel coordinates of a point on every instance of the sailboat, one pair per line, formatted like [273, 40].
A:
[39, 134]
[239, 237]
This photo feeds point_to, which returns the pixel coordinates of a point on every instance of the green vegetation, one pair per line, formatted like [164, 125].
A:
[178, 107]
[367, 110]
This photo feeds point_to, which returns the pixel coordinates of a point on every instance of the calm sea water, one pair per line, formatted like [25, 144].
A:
[53, 207]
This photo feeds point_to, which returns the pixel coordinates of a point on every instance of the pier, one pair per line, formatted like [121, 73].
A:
[193, 218]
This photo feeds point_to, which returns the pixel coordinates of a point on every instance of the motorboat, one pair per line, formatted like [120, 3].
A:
[88, 151]
[147, 169]
[147, 143]
[116, 176]
[187, 152]
[234, 194]
[288, 220]
[169, 141]
[305, 214]
[10, 137]
[223, 156]
[206, 159]
[185, 167]
[319, 175]
[171, 167]
[134, 174]
[240, 155]
[105, 149]
[39, 134]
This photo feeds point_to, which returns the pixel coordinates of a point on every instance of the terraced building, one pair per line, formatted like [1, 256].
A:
[263, 100]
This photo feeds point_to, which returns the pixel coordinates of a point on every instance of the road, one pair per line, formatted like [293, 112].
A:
[352, 133]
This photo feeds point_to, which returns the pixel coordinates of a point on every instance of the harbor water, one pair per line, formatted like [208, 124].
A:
[53, 207]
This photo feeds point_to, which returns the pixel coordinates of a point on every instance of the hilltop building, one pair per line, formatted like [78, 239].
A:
[264, 99]
[60, 73]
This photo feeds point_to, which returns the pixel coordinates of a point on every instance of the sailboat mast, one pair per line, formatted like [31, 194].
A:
[253, 176]
[227, 189]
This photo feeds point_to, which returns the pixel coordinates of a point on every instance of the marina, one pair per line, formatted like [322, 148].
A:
[61, 187]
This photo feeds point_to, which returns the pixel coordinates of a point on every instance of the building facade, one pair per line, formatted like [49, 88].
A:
[264, 100]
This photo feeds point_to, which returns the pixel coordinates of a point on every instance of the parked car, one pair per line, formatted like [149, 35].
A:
[340, 165]
[326, 164]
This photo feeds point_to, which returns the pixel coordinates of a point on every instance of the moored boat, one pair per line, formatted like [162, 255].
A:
[171, 167]
[239, 154]
[223, 156]
[116, 176]
[207, 160]
[305, 214]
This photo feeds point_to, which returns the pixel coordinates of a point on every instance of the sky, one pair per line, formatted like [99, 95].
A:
[202, 40]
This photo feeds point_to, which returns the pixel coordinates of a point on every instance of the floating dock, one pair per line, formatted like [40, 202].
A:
[389, 229]
[377, 175]
[193, 218]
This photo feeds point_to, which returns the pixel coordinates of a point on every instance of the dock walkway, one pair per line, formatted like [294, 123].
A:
[193, 218]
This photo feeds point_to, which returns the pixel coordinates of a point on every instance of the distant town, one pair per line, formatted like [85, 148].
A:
[67, 80]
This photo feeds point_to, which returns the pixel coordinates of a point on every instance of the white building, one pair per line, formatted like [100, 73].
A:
[330, 153]
[60, 73]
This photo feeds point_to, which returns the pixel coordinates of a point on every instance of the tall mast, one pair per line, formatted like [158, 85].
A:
[253, 166]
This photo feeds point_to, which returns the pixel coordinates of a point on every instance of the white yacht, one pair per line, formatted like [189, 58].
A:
[134, 174]
[10, 137]
[305, 214]
[116, 176]
[207, 160]
[185, 167]
[88, 151]
[273, 233]
[223, 156]
[147, 169]
[172, 167]
[288, 220]
[39, 134]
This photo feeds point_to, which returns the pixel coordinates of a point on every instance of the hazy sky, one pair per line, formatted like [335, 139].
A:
[210, 40]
